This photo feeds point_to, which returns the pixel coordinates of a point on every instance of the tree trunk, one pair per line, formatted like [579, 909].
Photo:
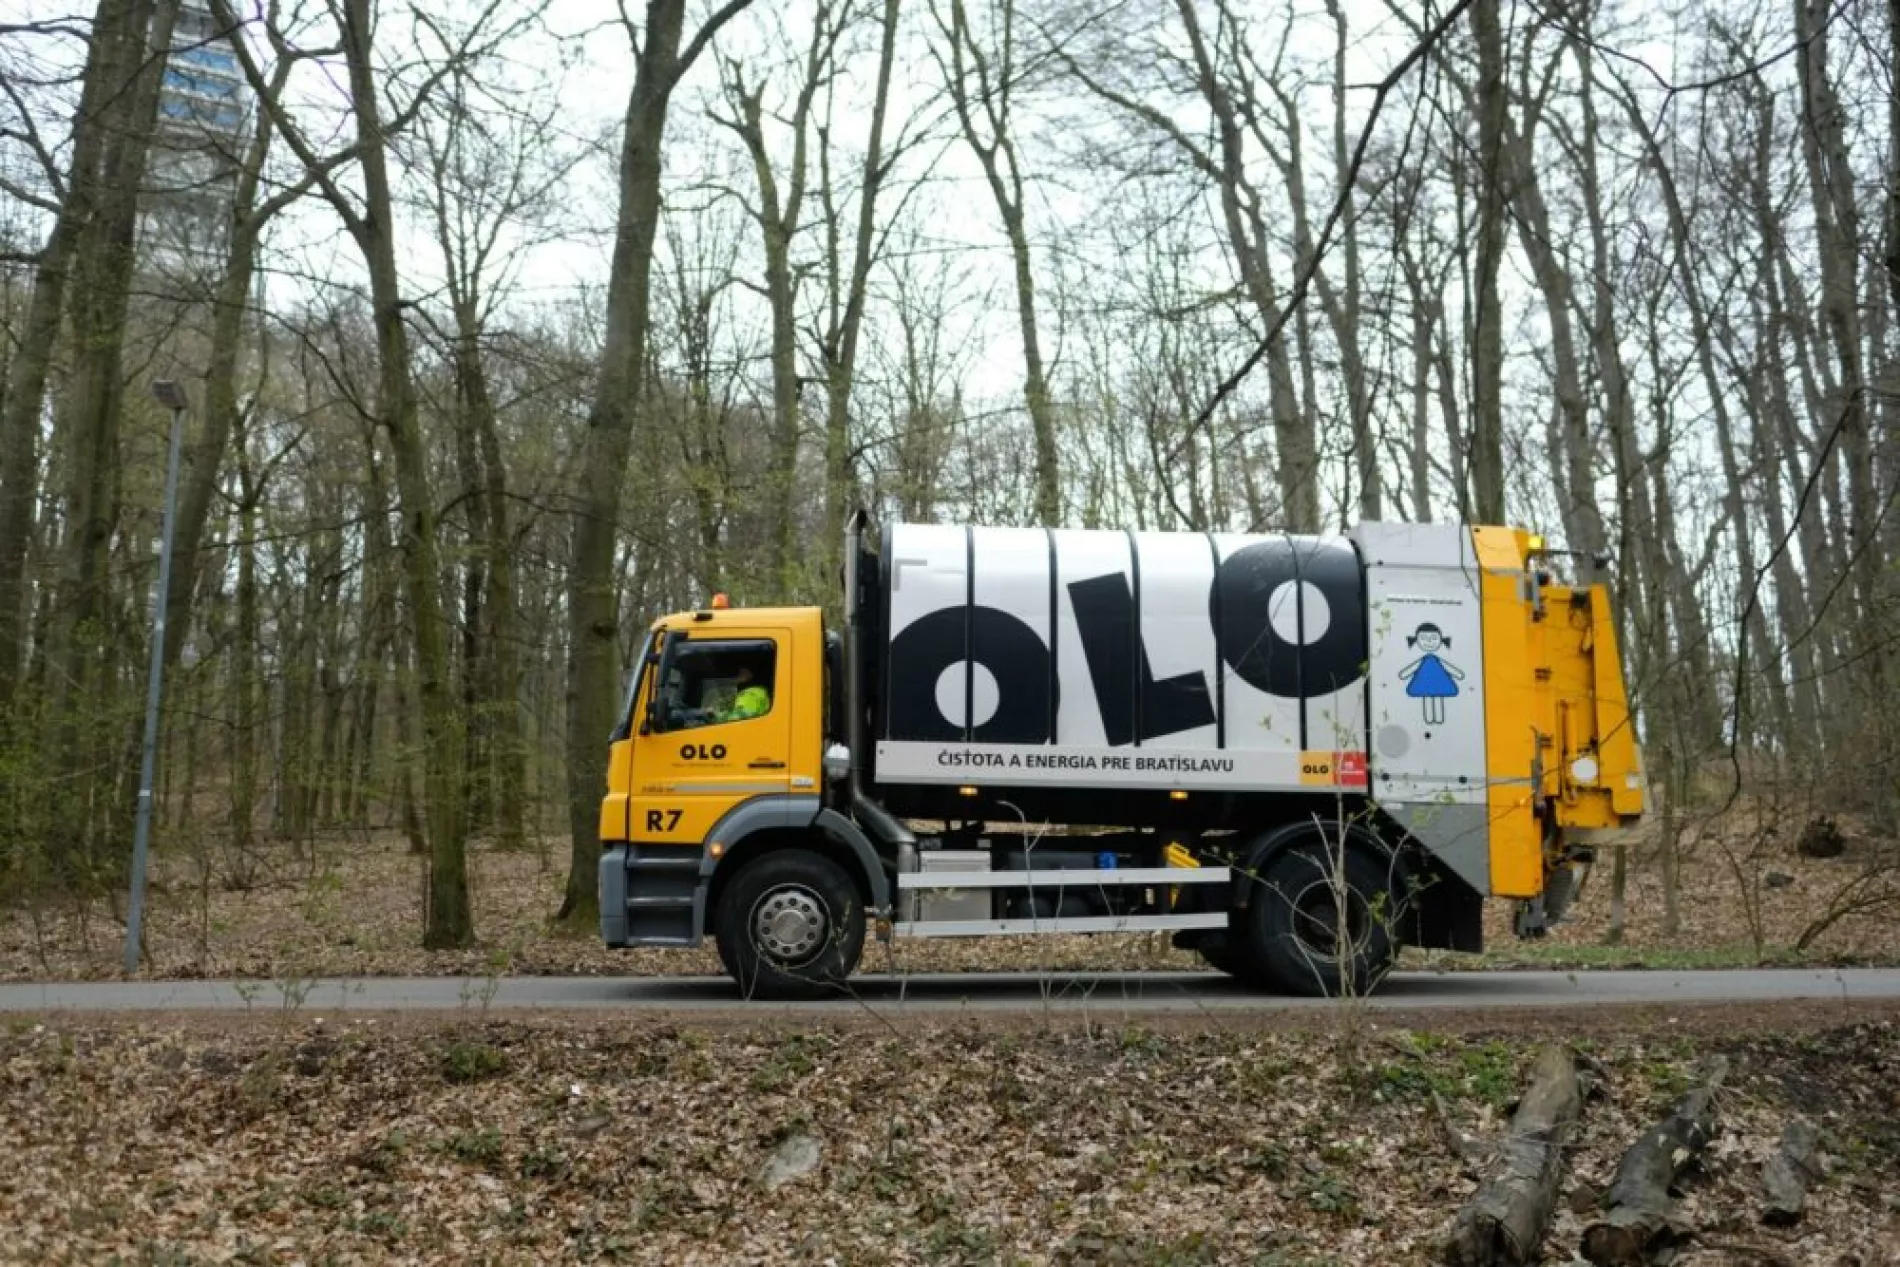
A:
[1342, 320]
[449, 921]
[89, 418]
[382, 662]
[841, 347]
[1837, 241]
[230, 304]
[1419, 451]
[113, 56]
[593, 618]
[1891, 253]
[1761, 646]
[1693, 721]
[296, 759]
[1445, 374]
[1003, 171]
[410, 792]
[1619, 894]
[1036, 396]
[1342, 310]
[507, 754]
[1487, 355]
[1618, 398]
[245, 733]
[474, 585]
[780, 214]
[1575, 459]
[1803, 456]
[1251, 238]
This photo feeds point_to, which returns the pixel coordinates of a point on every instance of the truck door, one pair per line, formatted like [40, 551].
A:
[718, 731]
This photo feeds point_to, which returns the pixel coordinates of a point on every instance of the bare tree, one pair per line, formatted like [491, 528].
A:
[921, 368]
[780, 214]
[982, 82]
[115, 64]
[1487, 352]
[371, 225]
[493, 172]
[702, 245]
[847, 285]
[250, 214]
[1838, 243]
[1229, 89]
[88, 417]
[607, 441]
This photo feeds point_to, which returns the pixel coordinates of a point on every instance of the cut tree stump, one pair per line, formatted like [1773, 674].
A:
[1505, 1220]
[1790, 1173]
[1640, 1221]
[1821, 838]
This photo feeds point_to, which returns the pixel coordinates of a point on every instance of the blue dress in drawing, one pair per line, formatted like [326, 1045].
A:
[1430, 679]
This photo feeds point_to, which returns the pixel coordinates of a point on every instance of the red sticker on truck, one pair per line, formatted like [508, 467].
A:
[1333, 769]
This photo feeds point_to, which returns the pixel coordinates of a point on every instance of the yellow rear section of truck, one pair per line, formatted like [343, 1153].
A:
[1563, 762]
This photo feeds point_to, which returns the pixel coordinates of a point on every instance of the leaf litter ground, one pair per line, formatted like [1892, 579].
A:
[287, 1137]
[353, 907]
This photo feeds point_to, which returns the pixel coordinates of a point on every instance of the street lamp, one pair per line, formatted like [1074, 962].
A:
[170, 394]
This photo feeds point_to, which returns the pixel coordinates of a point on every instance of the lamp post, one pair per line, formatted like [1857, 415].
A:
[170, 394]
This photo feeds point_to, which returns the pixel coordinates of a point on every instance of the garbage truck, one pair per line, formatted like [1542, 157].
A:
[1293, 754]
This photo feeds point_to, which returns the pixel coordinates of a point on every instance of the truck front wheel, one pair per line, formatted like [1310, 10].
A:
[790, 926]
[1320, 921]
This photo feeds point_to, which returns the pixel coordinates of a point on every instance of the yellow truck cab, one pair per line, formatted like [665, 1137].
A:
[1293, 753]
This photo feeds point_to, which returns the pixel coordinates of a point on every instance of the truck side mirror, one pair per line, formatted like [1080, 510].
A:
[655, 720]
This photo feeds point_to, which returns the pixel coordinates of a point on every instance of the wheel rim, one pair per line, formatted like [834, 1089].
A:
[789, 925]
[1316, 914]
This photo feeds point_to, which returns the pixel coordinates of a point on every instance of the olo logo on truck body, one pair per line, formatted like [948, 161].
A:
[1180, 659]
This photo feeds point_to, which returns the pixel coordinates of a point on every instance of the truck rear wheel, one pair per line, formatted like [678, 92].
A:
[789, 926]
[1295, 937]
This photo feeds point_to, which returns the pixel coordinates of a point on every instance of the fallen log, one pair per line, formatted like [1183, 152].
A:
[1504, 1222]
[1790, 1172]
[1640, 1221]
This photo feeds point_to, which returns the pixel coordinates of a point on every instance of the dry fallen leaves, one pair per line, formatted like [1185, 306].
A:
[380, 1139]
[353, 907]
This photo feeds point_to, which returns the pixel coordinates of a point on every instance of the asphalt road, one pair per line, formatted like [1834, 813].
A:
[990, 992]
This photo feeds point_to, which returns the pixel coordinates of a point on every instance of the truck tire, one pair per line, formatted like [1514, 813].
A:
[790, 925]
[1292, 920]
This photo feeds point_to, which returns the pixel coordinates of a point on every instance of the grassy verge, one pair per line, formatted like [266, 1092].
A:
[1555, 955]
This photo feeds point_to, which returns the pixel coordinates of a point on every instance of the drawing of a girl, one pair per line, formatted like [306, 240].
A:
[1428, 678]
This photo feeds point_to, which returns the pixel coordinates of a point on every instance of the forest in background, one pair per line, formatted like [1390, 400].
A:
[1621, 274]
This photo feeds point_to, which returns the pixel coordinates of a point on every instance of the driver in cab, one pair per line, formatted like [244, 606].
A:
[750, 697]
